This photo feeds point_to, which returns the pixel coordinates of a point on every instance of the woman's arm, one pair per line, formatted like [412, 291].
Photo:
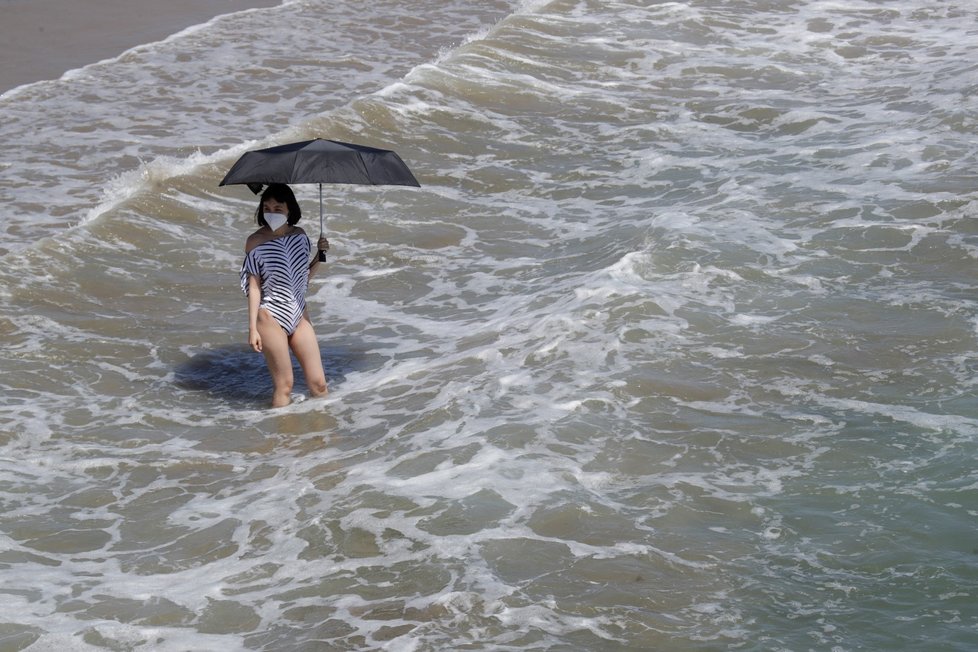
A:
[254, 298]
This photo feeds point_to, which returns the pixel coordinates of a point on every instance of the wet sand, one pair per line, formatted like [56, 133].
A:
[42, 39]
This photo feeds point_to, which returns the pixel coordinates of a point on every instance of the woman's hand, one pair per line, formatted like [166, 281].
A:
[323, 244]
[254, 339]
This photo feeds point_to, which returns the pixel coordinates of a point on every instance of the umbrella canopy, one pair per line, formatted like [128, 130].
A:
[320, 161]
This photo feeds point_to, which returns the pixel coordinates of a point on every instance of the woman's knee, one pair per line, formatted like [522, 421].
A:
[283, 383]
[317, 386]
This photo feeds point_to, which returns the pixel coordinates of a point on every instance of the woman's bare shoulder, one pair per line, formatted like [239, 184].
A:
[256, 238]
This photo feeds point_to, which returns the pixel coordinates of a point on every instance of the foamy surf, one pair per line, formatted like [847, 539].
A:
[673, 348]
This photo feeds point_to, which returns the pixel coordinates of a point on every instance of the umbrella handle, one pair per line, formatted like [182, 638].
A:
[321, 255]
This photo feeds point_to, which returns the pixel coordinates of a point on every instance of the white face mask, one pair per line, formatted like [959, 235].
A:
[275, 220]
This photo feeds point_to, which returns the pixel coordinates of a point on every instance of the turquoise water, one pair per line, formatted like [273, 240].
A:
[672, 350]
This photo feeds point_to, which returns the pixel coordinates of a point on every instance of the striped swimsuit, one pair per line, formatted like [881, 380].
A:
[282, 267]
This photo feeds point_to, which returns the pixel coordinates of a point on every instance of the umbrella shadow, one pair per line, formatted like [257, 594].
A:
[238, 375]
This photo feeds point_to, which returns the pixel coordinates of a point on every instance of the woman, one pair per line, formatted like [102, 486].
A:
[274, 276]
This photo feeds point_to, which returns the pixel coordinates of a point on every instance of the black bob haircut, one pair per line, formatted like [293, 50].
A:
[282, 193]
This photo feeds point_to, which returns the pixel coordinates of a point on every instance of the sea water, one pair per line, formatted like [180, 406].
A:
[674, 349]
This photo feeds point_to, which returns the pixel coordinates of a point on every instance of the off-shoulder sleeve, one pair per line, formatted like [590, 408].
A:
[249, 268]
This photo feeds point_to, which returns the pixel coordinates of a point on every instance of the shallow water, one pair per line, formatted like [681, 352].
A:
[673, 349]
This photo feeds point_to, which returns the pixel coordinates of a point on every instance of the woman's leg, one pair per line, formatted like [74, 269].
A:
[306, 349]
[275, 347]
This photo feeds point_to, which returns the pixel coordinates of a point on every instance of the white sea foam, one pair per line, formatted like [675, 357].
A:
[683, 302]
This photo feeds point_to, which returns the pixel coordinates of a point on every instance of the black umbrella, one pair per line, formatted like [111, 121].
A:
[320, 161]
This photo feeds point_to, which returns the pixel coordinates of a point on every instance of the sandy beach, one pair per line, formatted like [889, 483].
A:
[42, 39]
